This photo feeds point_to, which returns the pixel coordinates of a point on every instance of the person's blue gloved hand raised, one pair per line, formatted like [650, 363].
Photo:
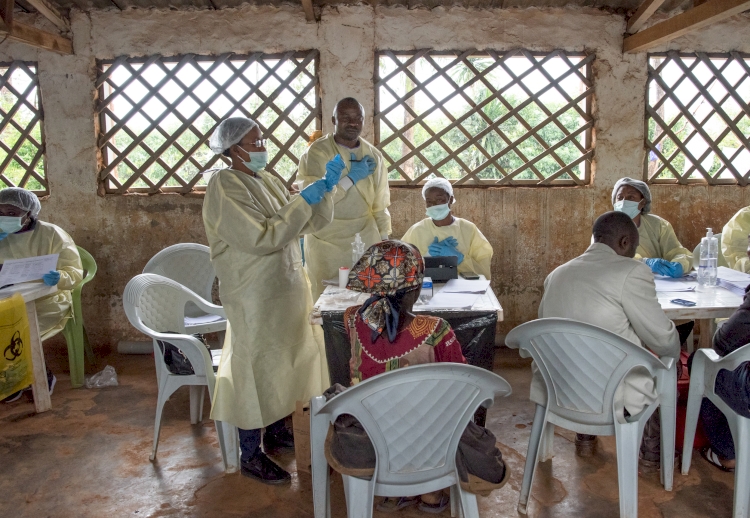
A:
[51, 278]
[313, 193]
[334, 168]
[361, 169]
[446, 247]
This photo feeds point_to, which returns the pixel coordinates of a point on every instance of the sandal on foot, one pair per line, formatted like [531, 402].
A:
[435, 508]
[710, 455]
[393, 504]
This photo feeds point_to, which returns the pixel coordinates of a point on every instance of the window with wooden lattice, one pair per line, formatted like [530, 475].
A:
[21, 131]
[698, 118]
[485, 118]
[156, 115]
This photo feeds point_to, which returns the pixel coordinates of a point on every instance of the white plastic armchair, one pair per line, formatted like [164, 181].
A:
[706, 366]
[154, 304]
[414, 417]
[189, 264]
[582, 366]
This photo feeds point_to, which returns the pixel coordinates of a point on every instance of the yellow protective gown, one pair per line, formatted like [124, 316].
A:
[658, 240]
[362, 209]
[734, 241]
[272, 356]
[471, 242]
[53, 311]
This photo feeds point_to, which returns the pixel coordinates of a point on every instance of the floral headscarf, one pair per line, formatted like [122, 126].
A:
[388, 270]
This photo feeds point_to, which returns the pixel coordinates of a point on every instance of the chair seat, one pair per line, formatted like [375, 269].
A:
[207, 323]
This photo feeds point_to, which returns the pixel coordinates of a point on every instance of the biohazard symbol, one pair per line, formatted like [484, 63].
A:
[15, 348]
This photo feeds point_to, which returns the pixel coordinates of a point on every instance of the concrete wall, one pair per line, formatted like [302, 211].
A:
[533, 230]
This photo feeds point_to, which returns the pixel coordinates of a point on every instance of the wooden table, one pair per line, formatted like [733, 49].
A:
[711, 303]
[30, 291]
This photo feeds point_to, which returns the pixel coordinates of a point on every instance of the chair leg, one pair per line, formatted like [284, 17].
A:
[161, 399]
[454, 499]
[467, 503]
[197, 393]
[628, 439]
[668, 419]
[546, 447]
[321, 484]
[695, 397]
[360, 496]
[74, 339]
[537, 430]
[742, 468]
[229, 445]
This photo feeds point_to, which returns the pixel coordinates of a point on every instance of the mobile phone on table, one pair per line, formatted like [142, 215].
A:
[470, 276]
[683, 302]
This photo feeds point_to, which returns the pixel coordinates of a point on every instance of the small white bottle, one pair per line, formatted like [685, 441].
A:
[358, 248]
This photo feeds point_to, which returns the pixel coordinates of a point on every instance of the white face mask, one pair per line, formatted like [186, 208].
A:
[258, 160]
[628, 207]
[438, 212]
[11, 224]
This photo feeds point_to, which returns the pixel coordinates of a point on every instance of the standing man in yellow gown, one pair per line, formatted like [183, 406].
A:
[272, 357]
[361, 200]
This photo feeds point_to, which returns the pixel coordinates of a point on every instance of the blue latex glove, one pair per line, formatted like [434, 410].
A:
[51, 278]
[660, 266]
[446, 247]
[334, 168]
[313, 193]
[674, 269]
[3, 235]
[361, 169]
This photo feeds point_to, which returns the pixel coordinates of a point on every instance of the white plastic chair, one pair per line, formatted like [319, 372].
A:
[582, 366]
[706, 366]
[189, 264]
[414, 417]
[155, 304]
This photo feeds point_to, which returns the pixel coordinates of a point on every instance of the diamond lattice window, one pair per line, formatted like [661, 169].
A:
[21, 132]
[487, 118]
[156, 115]
[698, 119]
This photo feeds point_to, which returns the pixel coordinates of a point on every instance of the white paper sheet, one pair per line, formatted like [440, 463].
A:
[29, 269]
[667, 284]
[464, 286]
[453, 300]
[727, 274]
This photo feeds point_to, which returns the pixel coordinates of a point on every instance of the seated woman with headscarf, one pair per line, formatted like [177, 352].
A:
[443, 234]
[385, 335]
[23, 235]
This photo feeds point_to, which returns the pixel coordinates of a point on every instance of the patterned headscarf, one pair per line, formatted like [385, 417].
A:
[388, 270]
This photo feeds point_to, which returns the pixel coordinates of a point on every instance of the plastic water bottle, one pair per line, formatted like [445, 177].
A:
[709, 258]
[358, 248]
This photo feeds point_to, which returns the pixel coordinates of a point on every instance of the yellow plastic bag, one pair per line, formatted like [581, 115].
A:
[16, 372]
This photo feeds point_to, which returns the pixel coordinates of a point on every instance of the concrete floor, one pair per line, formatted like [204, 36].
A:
[88, 457]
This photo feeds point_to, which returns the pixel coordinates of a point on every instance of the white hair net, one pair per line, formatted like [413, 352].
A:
[21, 198]
[229, 132]
[642, 187]
[440, 183]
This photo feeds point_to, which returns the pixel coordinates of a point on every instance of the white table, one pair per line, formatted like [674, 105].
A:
[711, 303]
[30, 291]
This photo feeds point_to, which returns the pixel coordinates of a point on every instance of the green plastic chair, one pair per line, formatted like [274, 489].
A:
[75, 334]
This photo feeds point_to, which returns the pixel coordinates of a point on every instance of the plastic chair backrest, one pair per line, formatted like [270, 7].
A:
[582, 365]
[729, 362]
[415, 416]
[190, 265]
[89, 266]
[721, 261]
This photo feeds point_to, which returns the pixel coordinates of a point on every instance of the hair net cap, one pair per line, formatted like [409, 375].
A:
[440, 183]
[21, 198]
[229, 132]
[642, 187]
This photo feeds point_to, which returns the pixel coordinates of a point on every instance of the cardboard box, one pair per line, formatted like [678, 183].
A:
[301, 429]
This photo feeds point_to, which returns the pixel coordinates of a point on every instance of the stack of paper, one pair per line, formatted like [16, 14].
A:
[464, 286]
[453, 300]
[668, 284]
[734, 281]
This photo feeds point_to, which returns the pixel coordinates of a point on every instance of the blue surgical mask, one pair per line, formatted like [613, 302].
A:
[438, 212]
[10, 224]
[628, 207]
[258, 160]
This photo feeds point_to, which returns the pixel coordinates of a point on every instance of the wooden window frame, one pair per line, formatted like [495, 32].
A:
[109, 123]
[583, 70]
[31, 69]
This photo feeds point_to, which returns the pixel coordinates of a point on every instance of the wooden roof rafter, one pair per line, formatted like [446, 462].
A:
[31, 35]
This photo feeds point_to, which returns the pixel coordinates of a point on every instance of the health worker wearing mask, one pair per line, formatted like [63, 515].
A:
[659, 247]
[24, 235]
[442, 234]
[734, 241]
[272, 357]
[361, 199]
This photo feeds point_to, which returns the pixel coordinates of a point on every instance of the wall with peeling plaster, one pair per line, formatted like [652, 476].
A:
[533, 230]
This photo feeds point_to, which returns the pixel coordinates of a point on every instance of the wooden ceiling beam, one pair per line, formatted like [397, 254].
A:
[38, 38]
[693, 19]
[6, 13]
[51, 12]
[644, 12]
[307, 5]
